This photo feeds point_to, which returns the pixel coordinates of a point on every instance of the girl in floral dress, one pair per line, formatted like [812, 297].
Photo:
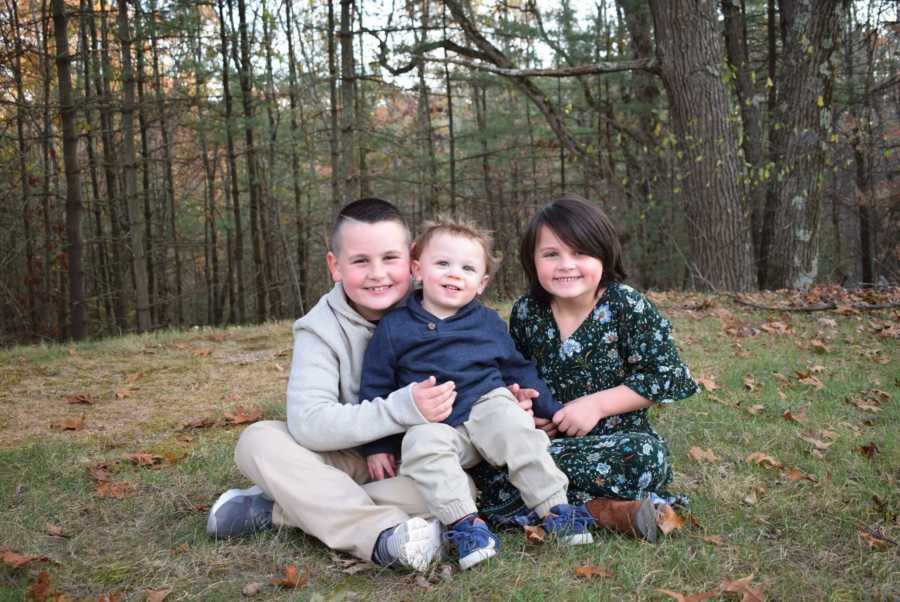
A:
[607, 353]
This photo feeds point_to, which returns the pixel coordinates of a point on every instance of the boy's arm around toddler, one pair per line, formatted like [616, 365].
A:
[319, 416]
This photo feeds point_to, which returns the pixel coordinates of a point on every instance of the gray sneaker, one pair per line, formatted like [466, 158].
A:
[239, 512]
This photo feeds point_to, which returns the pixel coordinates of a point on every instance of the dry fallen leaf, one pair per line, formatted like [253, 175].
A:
[744, 588]
[794, 474]
[799, 417]
[157, 595]
[819, 346]
[40, 589]
[134, 377]
[716, 540]
[56, 530]
[750, 383]
[763, 460]
[241, 415]
[68, 424]
[679, 597]
[80, 398]
[423, 582]
[756, 409]
[874, 541]
[591, 572]
[202, 352]
[291, 578]
[16, 560]
[534, 534]
[109, 597]
[702, 455]
[869, 450]
[118, 490]
[99, 472]
[807, 378]
[667, 519]
[707, 382]
[251, 589]
[756, 492]
[145, 459]
[199, 423]
[819, 445]
[123, 393]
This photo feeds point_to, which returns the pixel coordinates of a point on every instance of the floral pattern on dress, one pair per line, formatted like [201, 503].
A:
[626, 341]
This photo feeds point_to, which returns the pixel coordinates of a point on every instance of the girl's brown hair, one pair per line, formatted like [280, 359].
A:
[581, 225]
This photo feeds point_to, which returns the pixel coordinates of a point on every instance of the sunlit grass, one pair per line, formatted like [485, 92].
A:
[799, 539]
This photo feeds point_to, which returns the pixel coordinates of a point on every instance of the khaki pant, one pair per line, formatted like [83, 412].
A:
[326, 494]
[435, 454]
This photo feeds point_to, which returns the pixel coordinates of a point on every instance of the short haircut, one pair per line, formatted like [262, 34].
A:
[459, 227]
[581, 225]
[368, 210]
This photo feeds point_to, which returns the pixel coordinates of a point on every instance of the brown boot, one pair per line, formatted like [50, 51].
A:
[629, 517]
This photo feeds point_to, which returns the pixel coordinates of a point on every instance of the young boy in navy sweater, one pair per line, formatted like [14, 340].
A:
[443, 331]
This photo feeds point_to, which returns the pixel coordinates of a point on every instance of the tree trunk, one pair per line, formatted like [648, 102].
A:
[689, 52]
[24, 176]
[135, 216]
[348, 104]
[270, 215]
[804, 119]
[753, 139]
[451, 137]
[110, 168]
[73, 173]
[337, 198]
[101, 269]
[168, 176]
[244, 67]
[299, 275]
[236, 261]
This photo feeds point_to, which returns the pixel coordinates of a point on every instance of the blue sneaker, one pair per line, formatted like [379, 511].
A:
[569, 524]
[473, 540]
[239, 512]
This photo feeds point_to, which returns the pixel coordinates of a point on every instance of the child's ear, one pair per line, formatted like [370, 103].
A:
[484, 282]
[332, 262]
[415, 268]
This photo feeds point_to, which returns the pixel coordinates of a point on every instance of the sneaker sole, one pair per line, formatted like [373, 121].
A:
[645, 521]
[224, 499]
[477, 556]
[577, 539]
[422, 543]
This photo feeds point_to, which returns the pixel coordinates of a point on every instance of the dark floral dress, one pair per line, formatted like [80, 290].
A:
[626, 341]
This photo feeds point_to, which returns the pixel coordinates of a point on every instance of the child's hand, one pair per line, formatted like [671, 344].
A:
[578, 417]
[547, 426]
[435, 402]
[524, 397]
[381, 466]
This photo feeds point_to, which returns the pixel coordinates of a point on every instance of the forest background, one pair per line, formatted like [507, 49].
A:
[172, 163]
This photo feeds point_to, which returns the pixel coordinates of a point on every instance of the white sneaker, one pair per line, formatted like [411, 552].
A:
[419, 543]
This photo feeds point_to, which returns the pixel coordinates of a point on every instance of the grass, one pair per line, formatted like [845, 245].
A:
[800, 539]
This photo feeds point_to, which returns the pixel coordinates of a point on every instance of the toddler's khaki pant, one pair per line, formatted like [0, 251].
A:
[497, 430]
[326, 494]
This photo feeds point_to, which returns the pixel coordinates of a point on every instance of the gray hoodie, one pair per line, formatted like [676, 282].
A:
[324, 412]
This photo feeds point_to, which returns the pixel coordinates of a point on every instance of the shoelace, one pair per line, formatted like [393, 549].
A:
[578, 519]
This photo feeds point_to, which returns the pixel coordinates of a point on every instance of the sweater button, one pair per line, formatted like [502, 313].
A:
[432, 326]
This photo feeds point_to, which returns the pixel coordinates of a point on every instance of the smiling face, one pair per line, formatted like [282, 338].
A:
[564, 272]
[452, 270]
[372, 264]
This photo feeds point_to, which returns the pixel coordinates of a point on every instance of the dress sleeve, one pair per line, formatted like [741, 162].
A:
[653, 367]
[518, 319]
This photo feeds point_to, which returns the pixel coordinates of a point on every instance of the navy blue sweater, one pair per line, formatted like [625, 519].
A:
[472, 348]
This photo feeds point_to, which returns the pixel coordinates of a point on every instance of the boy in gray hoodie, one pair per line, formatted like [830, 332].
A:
[307, 472]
